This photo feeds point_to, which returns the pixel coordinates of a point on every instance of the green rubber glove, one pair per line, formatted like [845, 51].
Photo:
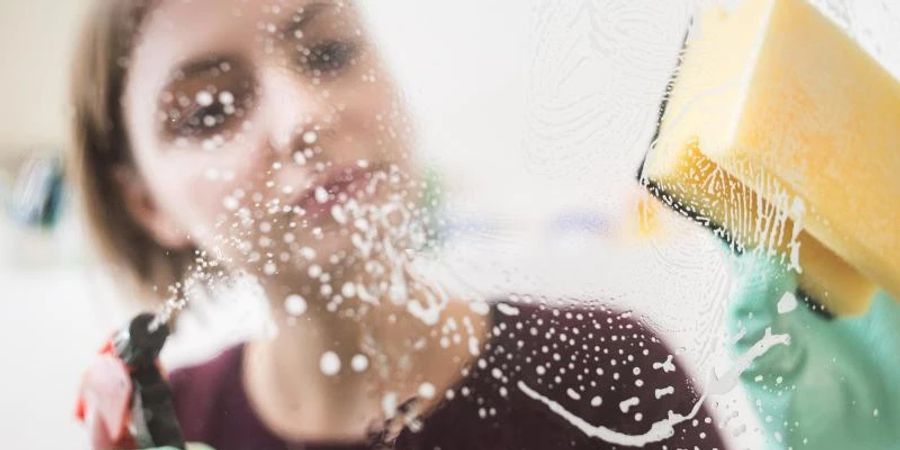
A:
[836, 385]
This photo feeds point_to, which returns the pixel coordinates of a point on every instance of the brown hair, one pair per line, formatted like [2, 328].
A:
[101, 144]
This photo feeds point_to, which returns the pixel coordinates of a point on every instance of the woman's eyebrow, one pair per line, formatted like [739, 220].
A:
[200, 66]
[302, 18]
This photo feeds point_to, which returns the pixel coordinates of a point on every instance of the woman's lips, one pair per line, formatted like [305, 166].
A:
[322, 196]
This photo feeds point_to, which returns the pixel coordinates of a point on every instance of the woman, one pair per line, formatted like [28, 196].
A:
[217, 137]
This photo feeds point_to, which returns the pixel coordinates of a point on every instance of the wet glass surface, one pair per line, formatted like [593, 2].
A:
[556, 224]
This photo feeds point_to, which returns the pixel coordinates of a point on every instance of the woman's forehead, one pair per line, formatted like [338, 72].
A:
[179, 32]
[187, 18]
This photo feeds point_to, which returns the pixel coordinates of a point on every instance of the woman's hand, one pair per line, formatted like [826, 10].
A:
[837, 384]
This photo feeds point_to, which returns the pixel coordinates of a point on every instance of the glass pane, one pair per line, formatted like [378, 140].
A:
[469, 224]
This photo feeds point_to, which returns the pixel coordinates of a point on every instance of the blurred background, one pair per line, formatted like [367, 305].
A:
[536, 114]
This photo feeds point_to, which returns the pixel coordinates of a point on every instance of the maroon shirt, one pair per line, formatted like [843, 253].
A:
[568, 355]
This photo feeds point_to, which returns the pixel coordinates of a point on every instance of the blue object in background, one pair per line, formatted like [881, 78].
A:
[36, 196]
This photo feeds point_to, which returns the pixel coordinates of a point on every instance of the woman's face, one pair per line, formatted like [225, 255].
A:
[265, 133]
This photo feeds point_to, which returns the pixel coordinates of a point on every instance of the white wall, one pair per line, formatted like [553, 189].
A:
[35, 43]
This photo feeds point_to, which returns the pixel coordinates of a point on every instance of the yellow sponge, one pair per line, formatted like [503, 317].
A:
[781, 132]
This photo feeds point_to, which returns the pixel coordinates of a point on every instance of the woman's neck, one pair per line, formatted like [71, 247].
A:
[329, 375]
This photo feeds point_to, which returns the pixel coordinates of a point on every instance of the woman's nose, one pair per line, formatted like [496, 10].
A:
[297, 112]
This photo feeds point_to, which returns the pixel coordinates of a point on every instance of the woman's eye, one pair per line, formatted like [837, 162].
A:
[208, 113]
[327, 57]
[208, 98]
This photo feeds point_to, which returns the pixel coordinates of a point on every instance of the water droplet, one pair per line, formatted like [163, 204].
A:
[659, 393]
[330, 363]
[359, 362]
[426, 390]
[787, 303]
[348, 290]
[625, 405]
[295, 305]
[507, 309]
[389, 404]
[226, 98]
[666, 365]
[321, 194]
[309, 254]
[204, 98]
[337, 212]
[310, 137]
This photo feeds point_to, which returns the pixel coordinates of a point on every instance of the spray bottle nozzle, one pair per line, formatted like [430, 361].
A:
[138, 345]
[153, 419]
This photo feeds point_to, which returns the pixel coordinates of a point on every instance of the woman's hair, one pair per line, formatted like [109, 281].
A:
[101, 146]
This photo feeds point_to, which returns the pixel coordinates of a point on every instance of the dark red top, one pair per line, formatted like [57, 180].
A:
[568, 355]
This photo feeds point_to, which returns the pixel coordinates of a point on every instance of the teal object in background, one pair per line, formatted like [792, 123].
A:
[37, 196]
[837, 384]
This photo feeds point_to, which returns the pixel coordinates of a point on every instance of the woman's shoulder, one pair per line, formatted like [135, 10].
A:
[568, 318]
[201, 392]
[591, 335]
[553, 369]
[591, 355]
[205, 378]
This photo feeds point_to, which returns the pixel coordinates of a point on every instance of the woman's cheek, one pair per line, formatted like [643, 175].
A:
[192, 188]
[232, 190]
